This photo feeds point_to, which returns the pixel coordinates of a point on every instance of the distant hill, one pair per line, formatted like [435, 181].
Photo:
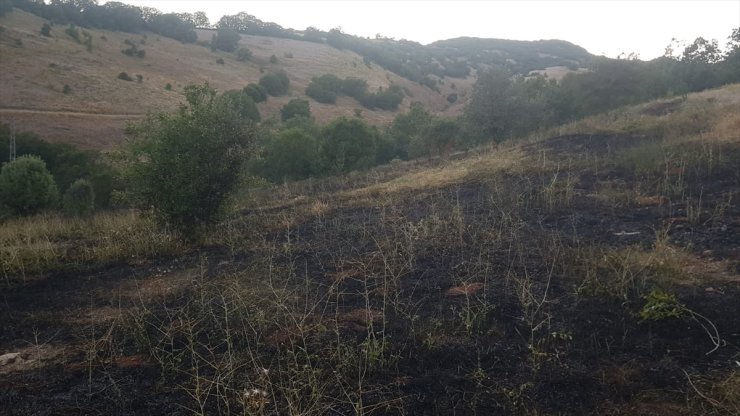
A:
[59, 89]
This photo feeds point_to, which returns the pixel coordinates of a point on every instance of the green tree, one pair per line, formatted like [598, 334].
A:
[26, 186]
[243, 54]
[46, 30]
[295, 108]
[409, 127]
[184, 166]
[348, 144]
[225, 39]
[293, 154]
[275, 84]
[325, 88]
[243, 104]
[256, 91]
[79, 200]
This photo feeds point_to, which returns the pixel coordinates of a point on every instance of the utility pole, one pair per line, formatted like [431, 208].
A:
[11, 155]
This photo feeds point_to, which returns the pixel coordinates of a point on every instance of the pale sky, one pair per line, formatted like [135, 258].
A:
[602, 27]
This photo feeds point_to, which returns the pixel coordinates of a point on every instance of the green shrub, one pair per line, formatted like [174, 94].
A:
[295, 108]
[46, 30]
[324, 89]
[184, 166]
[168, 87]
[243, 54]
[294, 154]
[243, 104]
[26, 186]
[288, 55]
[273, 59]
[124, 76]
[354, 87]
[220, 61]
[225, 39]
[275, 84]
[256, 91]
[73, 33]
[133, 50]
[348, 144]
[79, 200]
[139, 78]
[66, 89]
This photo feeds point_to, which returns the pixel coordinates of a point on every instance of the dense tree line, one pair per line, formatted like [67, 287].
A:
[117, 16]
[505, 105]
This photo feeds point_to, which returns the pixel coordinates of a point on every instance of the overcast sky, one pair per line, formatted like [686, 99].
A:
[602, 27]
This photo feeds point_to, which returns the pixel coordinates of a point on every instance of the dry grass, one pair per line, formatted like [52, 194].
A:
[50, 241]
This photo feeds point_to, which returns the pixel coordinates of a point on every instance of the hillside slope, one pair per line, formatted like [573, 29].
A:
[592, 270]
[97, 104]
[36, 68]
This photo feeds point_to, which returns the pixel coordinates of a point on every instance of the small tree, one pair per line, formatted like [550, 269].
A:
[46, 30]
[243, 104]
[243, 54]
[79, 200]
[26, 186]
[294, 154]
[257, 92]
[349, 144]
[225, 39]
[275, 84]
[295, 108]
[183, 166]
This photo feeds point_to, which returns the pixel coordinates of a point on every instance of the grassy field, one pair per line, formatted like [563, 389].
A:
[589, 269]
[36, 69]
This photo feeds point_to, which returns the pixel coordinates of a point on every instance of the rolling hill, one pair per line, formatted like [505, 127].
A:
[97, 104]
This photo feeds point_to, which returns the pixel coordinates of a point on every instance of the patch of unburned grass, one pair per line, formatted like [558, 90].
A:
[480, 167]
[51, 241]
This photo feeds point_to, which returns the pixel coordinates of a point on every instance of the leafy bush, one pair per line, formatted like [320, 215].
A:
[139, 78]
[349, 144]
[354, 87]
[243, 54]
[295, 108]
[324, 89]
[124, 76]
[133, 50]
[26, 186]
[72, 32]
[220, 61]
[225, 39]
[66, 89]
[388, 99]
[79, 200]
[243, 104]
[46, 30]
[256, 91]
[294, 154]
[183, 166]
[168, 87]
[65, 162]
[275, 84]
[273, 59]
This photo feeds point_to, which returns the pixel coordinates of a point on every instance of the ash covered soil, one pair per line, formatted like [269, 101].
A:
[523, 292]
